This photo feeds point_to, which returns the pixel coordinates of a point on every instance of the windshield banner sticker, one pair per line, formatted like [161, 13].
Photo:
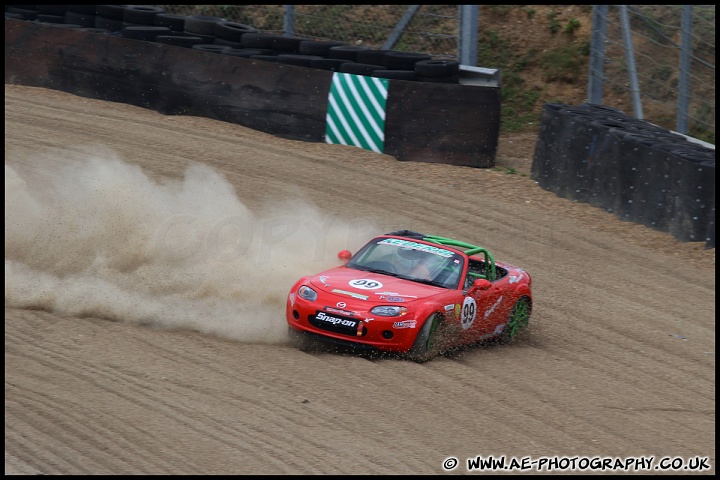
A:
[416, 246]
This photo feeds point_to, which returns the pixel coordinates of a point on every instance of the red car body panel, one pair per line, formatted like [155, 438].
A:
[342, 311]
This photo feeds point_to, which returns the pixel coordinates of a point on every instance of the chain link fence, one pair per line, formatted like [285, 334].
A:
[643, 70]
[431, 29]
[655, 35]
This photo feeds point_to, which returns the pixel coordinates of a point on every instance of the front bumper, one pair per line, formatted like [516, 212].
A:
[375, 333]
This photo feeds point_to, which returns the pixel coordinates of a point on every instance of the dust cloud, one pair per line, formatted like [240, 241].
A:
[89, 234]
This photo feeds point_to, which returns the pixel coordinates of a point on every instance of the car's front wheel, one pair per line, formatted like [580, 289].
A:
[426, 344]
[517, 320]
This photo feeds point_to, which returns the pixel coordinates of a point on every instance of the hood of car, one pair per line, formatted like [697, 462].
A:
[343, 281]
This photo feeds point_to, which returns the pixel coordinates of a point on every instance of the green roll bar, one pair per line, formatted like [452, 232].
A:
[469, 250]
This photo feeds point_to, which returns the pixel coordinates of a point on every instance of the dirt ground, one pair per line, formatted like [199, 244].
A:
[147, 262]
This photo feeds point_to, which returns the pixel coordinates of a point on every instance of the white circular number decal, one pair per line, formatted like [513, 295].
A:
[365, 284]
[467, 316]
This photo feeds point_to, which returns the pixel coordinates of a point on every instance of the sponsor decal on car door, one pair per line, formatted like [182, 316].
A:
[488, 303]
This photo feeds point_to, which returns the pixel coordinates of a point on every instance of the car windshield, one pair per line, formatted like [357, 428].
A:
[419, 262]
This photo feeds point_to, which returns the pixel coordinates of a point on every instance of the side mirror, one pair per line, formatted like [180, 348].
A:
[481, 284]
[344, 255]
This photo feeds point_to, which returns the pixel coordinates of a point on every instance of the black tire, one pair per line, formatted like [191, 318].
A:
[84, 19]
[437, 68]
[26, 13]
[345, 52]
[517, 320]
[232, 31]
[148, 33]
[359, 68]
[256, 40]
[51, 9]
[299, 60]
[426, 346]
[396, 74]
[316, 47]
[373, 57]
[332, 64]
[208, 39]
[243, 52]
[142, 14]
[285, 44]
[212, 48]
[179, 40]
[202, 24]
[227, 43]
[171, 20]
[86, 9]
[111, 24]
[114, 12]
[51, 18]
[404, 60]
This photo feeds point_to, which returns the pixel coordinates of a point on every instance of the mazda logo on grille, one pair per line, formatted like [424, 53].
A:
[341, 304]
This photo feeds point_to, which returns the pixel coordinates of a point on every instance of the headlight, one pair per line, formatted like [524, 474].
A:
[307, 293]
[389, 311]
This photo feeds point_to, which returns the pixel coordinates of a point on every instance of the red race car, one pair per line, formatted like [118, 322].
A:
[413, 294]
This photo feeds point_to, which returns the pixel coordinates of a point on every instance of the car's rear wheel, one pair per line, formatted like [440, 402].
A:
[426, 344]
[517, 320]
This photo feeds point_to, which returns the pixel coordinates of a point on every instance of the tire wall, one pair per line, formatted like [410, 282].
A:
[639, 171]
[429, 122]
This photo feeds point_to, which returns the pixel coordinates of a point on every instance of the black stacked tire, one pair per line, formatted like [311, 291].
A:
[332, 64]
[173, 21]
[141, 14]
[297, 59]
[345, 52]
[83, 15]
[396, 74]
[146, 32]
[437, 68]
[109, 17]
[283, 44]
[317, 47]
[257, 40]
[25, 12]
[438, 71]
[373, 57]
[232, 31]
[404, 60]
[243, 52]
[187, 41]
[212, 48]
[202, 24]
[360, 68]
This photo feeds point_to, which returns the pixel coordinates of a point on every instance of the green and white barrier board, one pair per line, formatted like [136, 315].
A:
[356, 111]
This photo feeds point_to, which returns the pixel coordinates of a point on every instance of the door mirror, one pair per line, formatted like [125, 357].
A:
[480, 284]
[344, 255]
